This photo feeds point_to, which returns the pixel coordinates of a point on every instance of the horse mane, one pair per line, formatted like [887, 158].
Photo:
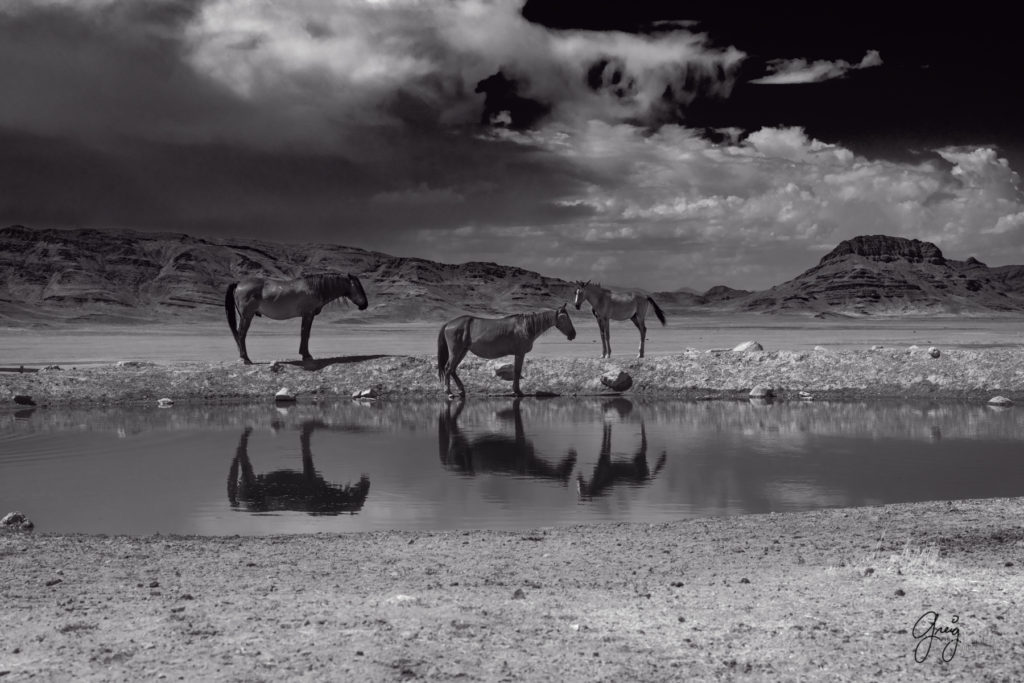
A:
[537, 322]
[326, 286]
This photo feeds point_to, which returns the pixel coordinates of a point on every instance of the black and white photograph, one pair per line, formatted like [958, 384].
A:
[511, 340]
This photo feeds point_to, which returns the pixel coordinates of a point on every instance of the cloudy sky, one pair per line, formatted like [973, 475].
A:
[656, 145]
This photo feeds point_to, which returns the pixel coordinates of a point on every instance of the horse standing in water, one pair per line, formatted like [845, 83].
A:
[512, 335]
[282, 299]
[608, 305]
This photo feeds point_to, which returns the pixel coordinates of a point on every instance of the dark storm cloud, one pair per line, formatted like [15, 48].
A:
[569, 142]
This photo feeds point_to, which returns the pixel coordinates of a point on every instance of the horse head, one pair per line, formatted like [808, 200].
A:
[356, 293]
[564, 323]
[581, 288]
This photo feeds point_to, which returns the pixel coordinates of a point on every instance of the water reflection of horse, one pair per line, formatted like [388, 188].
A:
[498, 453]
[608, 472]
[304, 491]
[301, 297]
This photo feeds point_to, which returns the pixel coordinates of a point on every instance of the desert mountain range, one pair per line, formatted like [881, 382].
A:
[50, 275]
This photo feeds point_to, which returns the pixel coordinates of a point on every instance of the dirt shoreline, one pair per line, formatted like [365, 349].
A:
[959, 374]
[826, 595]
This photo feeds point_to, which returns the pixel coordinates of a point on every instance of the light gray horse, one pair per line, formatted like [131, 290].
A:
[512, 335]
[608, 305]
[282, 299]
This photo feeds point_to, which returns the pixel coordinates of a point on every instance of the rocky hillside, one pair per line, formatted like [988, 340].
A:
[880, 275]
[111, 276]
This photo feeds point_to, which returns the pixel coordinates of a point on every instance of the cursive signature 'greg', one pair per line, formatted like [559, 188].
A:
[926, 631]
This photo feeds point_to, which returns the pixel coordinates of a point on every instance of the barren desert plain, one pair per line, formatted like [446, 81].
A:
[923, 591]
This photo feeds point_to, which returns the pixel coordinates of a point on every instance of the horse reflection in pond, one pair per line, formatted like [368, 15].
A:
[304, 491]
[496, 453]
[607, 472]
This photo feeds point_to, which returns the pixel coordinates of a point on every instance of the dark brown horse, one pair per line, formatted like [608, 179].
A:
[302, 297]
[512, 335]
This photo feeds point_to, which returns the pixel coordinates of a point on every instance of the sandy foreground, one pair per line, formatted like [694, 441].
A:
[856, 594]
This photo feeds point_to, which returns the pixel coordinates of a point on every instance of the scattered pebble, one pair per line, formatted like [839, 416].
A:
[506, 372]
[519, 594]
[617, 380]
[934, 352]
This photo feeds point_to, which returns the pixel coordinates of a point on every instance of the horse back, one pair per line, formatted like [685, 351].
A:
[494, 338]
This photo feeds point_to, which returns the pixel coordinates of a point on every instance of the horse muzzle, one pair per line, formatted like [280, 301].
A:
[571, 336]
[363, 307]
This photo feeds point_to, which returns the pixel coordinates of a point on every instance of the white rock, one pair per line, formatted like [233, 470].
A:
[913, 348]
[820, 349]
[762, 391]
[934, 352]
[284, 396]
[877, 347]
[747, 346]
[370, 394]
[16, 521]
[805, 396]
[165, 402]
[1000, 401]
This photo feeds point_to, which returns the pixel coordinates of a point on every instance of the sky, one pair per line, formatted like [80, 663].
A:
[644, 144]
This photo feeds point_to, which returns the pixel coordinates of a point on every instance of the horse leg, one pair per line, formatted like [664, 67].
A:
[642, 326]
[307, 325]
[517, 373]
[450, 370]
[243, 329]
[606, 338]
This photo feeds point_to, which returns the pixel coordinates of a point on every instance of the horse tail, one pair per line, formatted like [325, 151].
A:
[657, 311]
[442, 353]
[229, 308]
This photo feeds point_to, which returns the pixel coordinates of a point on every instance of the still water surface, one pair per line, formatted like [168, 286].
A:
[489, 464]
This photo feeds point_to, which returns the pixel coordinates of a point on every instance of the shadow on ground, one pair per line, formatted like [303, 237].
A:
[315, 364]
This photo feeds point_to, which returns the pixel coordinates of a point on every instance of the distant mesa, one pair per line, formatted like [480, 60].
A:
[886, 249]
[882, 275]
